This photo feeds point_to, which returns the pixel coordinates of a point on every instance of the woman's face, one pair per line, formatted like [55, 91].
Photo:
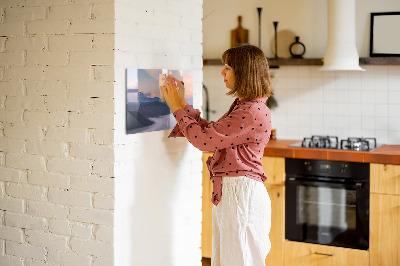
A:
[229, 76]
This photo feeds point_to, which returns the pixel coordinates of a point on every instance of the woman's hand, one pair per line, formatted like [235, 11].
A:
[173, 93]
[181, 89]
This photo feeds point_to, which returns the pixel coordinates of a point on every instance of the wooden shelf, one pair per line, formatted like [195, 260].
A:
[274, 63]
[212, 62]
[380, 61]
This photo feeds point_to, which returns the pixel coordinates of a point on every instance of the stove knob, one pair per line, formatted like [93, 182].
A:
[343, 168]
[308, 166]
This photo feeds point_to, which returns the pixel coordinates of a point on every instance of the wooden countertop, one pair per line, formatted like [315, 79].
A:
[389, 154]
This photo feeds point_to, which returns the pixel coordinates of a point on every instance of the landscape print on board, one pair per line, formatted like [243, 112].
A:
[146, 109]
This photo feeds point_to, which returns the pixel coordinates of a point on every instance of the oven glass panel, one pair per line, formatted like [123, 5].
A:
[326, 207]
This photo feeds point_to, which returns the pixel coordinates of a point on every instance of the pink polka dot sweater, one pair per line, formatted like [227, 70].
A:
[238, 139]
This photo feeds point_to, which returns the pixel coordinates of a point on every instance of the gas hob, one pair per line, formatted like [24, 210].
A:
[332, 142]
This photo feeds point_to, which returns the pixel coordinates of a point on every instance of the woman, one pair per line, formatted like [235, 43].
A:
[242, 208]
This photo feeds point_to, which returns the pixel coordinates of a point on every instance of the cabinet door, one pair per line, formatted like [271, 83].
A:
[277, 233]
[304, 254]
[385, 178]
[206, 226]
[274, 168]
[384, 230]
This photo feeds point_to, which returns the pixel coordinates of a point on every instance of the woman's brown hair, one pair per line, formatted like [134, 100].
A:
[250, 66]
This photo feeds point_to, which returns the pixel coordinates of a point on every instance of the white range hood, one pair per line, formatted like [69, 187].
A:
[341, 51]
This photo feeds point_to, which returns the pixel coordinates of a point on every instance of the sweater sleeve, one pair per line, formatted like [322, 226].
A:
[193, 113]
[229, 131]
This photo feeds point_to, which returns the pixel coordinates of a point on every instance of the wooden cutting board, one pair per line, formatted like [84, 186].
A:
[239, 35]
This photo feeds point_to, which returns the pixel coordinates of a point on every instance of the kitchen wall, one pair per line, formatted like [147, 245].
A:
[158, 180]
[56, 132]
[342, 103]
[304, 18]
[345, 103]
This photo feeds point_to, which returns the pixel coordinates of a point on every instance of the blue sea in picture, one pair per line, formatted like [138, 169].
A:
[146, 109]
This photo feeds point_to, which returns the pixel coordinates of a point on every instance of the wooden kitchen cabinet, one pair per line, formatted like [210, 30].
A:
[274, 168]
[385, 178]
[277, 233]
[384, 237]
[305, 254]
[206, 225]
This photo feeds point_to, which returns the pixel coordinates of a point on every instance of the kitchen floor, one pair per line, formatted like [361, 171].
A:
[206, 261]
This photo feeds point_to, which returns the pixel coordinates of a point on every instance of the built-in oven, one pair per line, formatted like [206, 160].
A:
[327, 202]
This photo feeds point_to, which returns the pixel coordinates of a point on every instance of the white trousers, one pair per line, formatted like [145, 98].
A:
[241, 223]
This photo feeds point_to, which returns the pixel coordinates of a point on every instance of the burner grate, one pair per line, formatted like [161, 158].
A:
[332, 142]
[358, 144]
[327, 142]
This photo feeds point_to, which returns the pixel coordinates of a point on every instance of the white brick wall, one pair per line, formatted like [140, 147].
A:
[46, 240]
[25, 221]
[56, 132]
[25, 251]
[62, 66]
[11, 233]
[68, 258]
[156, 177]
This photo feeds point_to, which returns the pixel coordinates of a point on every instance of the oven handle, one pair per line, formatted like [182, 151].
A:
[357, 185]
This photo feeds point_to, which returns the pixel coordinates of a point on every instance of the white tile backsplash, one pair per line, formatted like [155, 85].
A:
[304, 82]
[381, 122]
[381, 83]
[292, 82]
[380, 71]
[382, 136]
[304, 72]
[342, 123]
[355, 109]
[393, 71]
[343, 103]
[291, 71]
[394, 82]
[367, 97]
[394, 137]
[353, 132]
[367, 123]
[381, 97]
[355, 96]
[394, 97]
[329, 109]
[316, 82]
[394, 124]
[382, 110]
[342, 109]
[367, 83]
[394, 110]
[367, 110]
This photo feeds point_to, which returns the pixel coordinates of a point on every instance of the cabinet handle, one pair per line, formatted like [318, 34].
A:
[324, 254]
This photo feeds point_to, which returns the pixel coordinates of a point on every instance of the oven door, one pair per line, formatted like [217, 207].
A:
[327, 213]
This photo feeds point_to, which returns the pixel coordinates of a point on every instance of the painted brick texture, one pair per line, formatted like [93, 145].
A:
[56, 132]
[62, 135]
[157, 180]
